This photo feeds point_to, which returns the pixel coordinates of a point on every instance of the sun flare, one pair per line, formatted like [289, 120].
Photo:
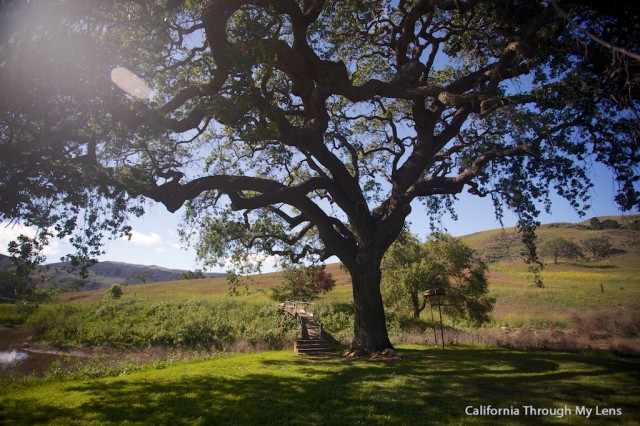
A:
[130, 83]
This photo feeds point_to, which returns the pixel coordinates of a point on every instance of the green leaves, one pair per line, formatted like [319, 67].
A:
[308, 129]
[303, 284]
[410, 268]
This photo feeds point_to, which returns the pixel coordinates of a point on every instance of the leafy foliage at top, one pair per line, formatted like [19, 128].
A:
[303, 284]
[561, 247]
[263, 111]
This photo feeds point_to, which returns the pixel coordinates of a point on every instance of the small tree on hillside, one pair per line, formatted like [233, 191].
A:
[304, 284]
[115, 291]
[76, 284]
[443, 261]
[561, 248]
[141, 277]
[192, 275]
[598, 247]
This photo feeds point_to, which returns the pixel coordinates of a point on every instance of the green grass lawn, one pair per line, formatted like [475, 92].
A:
[428, 386]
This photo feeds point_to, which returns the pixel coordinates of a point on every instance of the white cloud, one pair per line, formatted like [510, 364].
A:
[269, 263]
[10, 232]
[145, 240]
[160, 250]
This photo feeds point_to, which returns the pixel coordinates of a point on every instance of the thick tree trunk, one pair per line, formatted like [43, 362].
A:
[370, 330]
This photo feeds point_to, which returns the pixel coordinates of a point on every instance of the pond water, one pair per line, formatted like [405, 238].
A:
[8, 358]
[17, 357]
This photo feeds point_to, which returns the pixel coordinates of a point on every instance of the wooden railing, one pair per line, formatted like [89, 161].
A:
[299, 309]
[298, 306]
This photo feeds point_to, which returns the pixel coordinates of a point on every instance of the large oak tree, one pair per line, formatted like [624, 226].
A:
[309, 128]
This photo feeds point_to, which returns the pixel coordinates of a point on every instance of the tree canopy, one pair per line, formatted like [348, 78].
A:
[561, 247]
[411, 267]
[309, 128]
[303, 284]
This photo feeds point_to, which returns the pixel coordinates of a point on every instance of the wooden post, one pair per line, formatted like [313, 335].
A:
[433, 322]
[429, 294]
[441, 330]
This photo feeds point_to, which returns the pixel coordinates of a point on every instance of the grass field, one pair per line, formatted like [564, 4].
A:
[425, 386]
[568, 287]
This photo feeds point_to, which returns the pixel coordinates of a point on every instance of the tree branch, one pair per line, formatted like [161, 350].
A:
[589, 34]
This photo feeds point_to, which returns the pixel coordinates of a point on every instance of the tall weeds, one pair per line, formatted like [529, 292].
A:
[194, 324]
[235, 325]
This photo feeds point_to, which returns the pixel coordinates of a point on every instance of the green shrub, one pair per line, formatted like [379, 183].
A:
[115, 292]
[9, 316]
[338, 320]
[57, 326]
[194, 324]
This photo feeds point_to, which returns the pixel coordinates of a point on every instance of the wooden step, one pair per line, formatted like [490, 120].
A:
[311, 347]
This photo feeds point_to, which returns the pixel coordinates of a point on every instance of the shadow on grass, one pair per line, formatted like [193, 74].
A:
[590, 266]
[425, 387]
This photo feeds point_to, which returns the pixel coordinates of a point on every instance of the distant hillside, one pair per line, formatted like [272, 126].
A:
[506, 244]
[103, 274]
[497, 245]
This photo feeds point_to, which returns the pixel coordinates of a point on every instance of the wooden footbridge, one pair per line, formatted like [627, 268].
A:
[310, 341]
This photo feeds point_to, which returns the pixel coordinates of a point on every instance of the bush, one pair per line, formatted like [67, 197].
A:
[115, 292]
[57, 326]
[194, 324]
[337, 319]
[9, 316]
[304, 284]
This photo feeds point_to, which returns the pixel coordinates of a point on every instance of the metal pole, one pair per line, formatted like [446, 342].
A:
[433, 322]
[441, 330]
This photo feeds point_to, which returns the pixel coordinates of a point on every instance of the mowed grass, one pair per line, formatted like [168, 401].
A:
[426, 386]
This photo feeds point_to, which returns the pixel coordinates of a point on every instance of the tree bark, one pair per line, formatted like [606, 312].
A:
[418, 307]
[370, 328]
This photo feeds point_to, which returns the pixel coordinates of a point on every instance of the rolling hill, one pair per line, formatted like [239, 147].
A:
[104, 274]
[500, 247]
[505, 245]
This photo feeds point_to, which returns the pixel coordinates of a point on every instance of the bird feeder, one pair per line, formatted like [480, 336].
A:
[430, 294]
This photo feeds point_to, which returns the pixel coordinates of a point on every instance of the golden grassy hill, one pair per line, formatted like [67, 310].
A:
[569, 286]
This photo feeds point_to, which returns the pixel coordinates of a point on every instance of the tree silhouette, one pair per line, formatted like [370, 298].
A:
[304, 128]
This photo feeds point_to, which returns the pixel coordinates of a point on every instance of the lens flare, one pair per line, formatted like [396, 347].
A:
[130, 83]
